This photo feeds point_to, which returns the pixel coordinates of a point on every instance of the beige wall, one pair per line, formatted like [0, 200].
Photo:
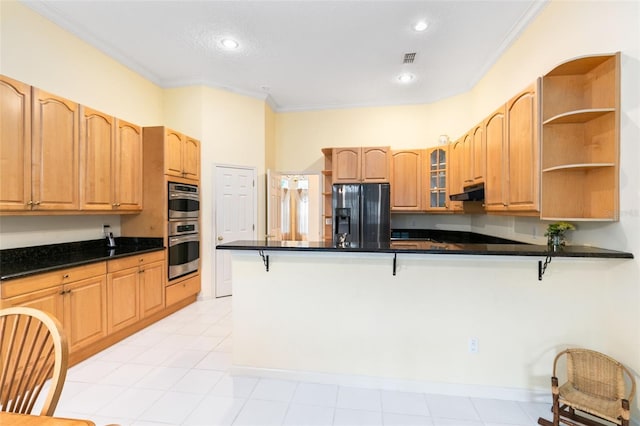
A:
[301, 135]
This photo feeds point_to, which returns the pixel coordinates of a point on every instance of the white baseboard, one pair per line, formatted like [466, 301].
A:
[453, 389]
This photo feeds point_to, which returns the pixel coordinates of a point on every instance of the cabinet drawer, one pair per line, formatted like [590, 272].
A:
[182, 290]
[46, 280]
[132, 261]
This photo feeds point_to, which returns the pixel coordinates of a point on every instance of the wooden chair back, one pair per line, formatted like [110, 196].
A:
[33, 348]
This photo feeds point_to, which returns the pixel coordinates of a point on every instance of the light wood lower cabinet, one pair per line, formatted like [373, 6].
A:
[76, 296]
[183, 290]
[135, 288]
[97, 301]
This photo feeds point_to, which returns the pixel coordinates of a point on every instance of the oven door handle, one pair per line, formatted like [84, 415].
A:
[184, 195]
[183, 239]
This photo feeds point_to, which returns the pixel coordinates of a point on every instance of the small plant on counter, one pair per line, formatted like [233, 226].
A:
[556, 233]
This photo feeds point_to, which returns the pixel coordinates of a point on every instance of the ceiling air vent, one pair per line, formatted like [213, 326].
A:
[409, 58]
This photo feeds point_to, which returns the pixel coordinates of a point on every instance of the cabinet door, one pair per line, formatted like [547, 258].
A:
[191, 158]
[375, 164]
[173, 153]
[85, 314]
[97, 140]
[15, 145]
[152, 288]
[455, 172]
[122, 298]
[494, 192]
[128, 166]
[479, 155]
[523, 155]
[406, 180]
[436, 196]
[346, 165]
[54, 153]
[467, 159]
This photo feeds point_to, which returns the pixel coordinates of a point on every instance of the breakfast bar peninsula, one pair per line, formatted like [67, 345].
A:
[402, 315]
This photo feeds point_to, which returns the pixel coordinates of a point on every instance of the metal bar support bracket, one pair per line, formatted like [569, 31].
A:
[265, 259]
[395, 255]
[542, 267]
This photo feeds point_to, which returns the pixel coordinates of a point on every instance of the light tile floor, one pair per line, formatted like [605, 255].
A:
[176, 372]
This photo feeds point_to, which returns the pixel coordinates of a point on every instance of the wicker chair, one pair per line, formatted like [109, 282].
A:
[595, 385]
[33, 348]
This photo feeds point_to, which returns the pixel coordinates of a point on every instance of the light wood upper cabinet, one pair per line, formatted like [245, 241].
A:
[191, 158]
[181, 155]
[347, 165]
[435, 165]
[15, 145]
[128, 167]
[360, 165]
[523, 155]
[479, 153]
[375, 164]
[456, 172]
[55, 153]
[96, 160]
[406, 180]
[495, 180]
[110, 162]
[581, 140]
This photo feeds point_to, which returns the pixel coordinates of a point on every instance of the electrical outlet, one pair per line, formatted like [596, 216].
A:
[473, 345]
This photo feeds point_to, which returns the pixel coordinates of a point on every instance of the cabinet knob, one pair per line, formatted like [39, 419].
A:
[220, 238]
[141, 259]
[65, 276]
[30, 203]
[37, 203]
[141, 271]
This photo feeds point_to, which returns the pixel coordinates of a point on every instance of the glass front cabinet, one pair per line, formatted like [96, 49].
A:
[436, 193]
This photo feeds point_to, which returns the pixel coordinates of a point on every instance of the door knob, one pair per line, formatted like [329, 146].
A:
[220, 238]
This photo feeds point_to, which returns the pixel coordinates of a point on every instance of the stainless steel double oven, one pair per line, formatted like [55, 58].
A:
[184, 230]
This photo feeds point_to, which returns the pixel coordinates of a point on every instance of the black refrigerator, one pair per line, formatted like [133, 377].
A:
[361, 214]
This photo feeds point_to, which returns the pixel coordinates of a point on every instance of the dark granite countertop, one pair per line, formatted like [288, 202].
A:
[25, 261]
[435, 242]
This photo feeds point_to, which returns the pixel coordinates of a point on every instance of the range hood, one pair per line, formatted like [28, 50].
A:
[473, 192]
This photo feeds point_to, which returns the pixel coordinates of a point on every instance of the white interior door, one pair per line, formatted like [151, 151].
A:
[236, 217]
[274, 206]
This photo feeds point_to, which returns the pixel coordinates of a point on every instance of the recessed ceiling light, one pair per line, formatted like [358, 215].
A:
[420, 26]
[406, 77]
[229, 43]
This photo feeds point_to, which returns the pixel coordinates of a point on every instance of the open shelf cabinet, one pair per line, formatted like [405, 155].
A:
[327, 186]
[580, 139]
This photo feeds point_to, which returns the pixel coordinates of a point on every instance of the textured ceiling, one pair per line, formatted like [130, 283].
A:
[302, 54]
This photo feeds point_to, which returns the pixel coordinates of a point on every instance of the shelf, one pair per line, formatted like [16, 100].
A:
[579, 116]
[580, 65]
[582, 166]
